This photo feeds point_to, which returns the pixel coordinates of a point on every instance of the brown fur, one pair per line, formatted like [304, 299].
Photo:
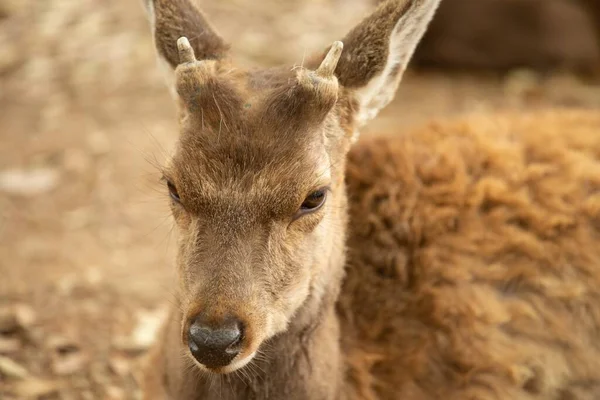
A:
[471, 245]
[503, 34]
[476, 243]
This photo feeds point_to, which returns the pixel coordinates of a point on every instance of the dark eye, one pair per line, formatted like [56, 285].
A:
[173, 191]
[312, 202]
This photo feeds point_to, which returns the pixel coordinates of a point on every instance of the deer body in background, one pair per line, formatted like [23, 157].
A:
[543, 35]
[459, 261]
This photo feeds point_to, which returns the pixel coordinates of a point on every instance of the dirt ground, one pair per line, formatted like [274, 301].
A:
[86, 247]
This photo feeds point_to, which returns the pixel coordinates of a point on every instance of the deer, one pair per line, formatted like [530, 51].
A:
[458, 260]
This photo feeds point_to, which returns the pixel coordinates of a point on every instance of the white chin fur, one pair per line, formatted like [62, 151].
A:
[237, 364]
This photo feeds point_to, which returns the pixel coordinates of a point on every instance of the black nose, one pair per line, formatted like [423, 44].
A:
[215, 345]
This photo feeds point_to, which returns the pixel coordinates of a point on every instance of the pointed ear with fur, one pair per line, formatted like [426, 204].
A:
[377, 51]
[172, 19]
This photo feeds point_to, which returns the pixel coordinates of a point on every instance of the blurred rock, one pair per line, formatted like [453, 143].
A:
[67, 364]
[67, 284]
[67, 355]
[12, 369]
[120, 365]
[93, 276]
[28, 182]
[16, 317]
[35, 388]
[25, 315]
[148, 324]
[144, 333]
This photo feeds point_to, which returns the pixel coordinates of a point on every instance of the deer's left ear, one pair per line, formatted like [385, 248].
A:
[377, 51]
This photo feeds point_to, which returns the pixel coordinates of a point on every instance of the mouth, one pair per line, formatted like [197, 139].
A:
[235, 364]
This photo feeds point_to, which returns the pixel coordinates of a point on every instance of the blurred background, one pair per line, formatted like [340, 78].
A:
[86, 248]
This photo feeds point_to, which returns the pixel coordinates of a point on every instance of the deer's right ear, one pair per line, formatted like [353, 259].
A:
[172, 19]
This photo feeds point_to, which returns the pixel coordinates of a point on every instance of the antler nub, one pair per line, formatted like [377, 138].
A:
[186, 52]
[327, 67]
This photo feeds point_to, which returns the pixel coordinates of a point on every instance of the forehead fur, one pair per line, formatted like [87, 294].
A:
[252, 132]
[220, 96]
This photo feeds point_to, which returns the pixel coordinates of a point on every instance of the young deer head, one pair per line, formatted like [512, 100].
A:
[257, 179]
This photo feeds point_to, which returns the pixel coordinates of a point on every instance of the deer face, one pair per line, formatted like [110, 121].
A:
[256, 182]
[256, 191]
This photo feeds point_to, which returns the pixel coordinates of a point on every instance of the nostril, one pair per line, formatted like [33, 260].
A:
[193, 346]
[215, 346]
[220, 338]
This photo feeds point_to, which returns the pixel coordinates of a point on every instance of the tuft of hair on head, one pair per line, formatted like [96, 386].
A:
[202, 94]
[309, 96]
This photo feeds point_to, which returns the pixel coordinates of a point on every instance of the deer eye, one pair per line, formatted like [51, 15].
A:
[312, 202]
[173, 192]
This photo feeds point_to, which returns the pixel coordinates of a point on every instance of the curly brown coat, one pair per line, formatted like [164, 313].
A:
[474, 259]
